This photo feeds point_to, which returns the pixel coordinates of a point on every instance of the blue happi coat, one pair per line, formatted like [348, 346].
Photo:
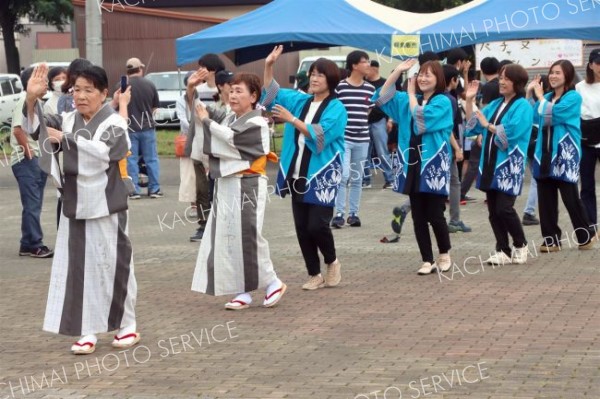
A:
[503, 155]
[323, 173]
[423, 142]
[558, 147]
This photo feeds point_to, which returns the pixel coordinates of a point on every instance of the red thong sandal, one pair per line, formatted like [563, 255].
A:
[83, 348]
[236, 304]
[126, 341]
[274, 297]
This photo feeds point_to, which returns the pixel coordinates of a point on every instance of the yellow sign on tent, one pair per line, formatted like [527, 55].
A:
[405, 45]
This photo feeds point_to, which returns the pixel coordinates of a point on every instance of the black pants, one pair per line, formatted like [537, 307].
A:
[314, 234]
[429, 209]
[505, 220]
[472, 170]
[548, 190]
[203, 193]
[590, 156]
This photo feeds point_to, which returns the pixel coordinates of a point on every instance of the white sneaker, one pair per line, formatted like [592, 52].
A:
[427, 268]
[499, 258]
[519, 255]
[443, 262]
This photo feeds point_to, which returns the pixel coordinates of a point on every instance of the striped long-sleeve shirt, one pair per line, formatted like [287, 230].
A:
[357, 101]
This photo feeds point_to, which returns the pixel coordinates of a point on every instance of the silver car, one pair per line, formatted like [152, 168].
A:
[170, 87]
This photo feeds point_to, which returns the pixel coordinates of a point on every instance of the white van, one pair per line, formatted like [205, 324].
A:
[10, 92]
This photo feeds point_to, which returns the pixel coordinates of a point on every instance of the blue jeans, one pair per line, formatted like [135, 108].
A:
[31, 180]
[144, 142]
[352, 175]
[379, 138]
[532, 197]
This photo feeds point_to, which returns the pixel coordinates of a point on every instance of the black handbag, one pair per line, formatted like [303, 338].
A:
[590, 132]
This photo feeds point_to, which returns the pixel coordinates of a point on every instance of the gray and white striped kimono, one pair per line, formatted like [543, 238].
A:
[92, 284]
[234, 256]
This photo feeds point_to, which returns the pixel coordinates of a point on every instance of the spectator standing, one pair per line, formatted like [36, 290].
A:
[31, 179]
[355, 94]
[56, 79]
[379, 128]
[142, 133]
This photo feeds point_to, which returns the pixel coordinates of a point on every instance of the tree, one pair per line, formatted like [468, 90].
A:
[51, 12]
[423, 6]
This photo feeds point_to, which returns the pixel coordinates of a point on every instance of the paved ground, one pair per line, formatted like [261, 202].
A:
[528, 331]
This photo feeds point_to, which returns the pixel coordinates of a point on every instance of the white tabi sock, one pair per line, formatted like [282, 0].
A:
[275, 285]
[88, 338]
[245, 297]
[130, 329]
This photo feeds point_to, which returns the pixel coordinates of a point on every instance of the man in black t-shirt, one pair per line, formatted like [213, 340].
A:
[144, 101]
[378, 130]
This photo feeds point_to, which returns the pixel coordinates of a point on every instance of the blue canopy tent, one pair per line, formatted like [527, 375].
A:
[297, 24]
[496, 20]
[303, 24]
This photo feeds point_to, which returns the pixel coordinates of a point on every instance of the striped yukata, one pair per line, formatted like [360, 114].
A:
[234, 256]
[92, 284]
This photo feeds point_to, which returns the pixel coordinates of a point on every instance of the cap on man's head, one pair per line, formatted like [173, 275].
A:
[134, 63]
[595, 56]
[223, 77]
[374, 63]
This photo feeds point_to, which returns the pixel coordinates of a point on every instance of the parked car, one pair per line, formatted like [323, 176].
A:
[11, 90]
[170, 87]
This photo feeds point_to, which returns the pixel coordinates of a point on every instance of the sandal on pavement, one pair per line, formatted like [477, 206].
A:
[126, 341]
[83, 347]
[236, 304]
[274, 297]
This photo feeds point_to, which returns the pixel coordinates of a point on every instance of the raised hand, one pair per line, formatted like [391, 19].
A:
[198, 77]
[472, 89]
[38, 83]
[406, 64]
[272, 58]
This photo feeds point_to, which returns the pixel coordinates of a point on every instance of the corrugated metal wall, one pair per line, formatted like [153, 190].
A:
[152, 40]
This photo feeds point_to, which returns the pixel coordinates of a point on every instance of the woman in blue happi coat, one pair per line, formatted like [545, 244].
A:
[422, 164]
[311, 160]
[557, 156]
[506, 125]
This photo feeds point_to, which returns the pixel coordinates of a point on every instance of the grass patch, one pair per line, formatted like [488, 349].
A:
[165, 141]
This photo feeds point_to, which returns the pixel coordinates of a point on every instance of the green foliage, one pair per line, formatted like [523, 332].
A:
[51, 12]
[422, 6]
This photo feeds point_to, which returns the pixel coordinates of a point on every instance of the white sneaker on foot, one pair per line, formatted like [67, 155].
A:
[443, 262]
[427, 268]
[499, 258]
[519, 255]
